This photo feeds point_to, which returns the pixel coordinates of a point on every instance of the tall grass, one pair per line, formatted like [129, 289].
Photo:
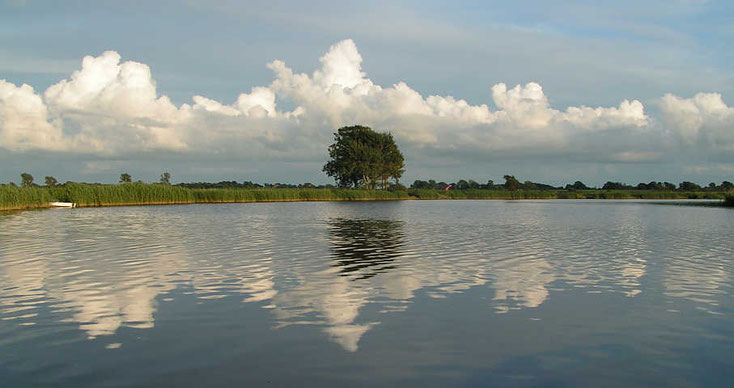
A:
[482, 194]
[561, 194]
[729, 200]
[12, 197]
[123, 194]
[141, 194]
[649, 194]
[274, 195]
[16, 198]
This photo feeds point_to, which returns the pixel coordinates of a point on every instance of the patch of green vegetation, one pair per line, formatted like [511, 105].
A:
[84, 194]
[561, 194]
[15, 198]
[122, 194]
[12, 197]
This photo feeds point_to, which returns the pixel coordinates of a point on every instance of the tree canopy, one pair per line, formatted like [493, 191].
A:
[26, 179]
[166, 178]
[361, 157]
[578, 185]
[511, 183]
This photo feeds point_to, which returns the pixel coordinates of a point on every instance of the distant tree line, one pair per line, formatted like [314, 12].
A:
[510, 183]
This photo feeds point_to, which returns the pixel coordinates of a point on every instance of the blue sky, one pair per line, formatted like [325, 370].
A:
[582, 54]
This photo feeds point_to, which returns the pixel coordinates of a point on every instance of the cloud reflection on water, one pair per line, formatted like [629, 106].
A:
[104, 272]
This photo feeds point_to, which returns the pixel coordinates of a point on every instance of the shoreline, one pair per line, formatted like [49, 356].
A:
[163, 203]
[722, 202]
[14, 198]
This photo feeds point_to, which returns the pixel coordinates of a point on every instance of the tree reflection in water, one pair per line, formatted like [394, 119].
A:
[362, 248]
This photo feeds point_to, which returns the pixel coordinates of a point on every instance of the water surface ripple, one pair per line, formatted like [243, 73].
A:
[439, 292]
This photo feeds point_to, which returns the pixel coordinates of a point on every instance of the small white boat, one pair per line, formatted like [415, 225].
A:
[62, 204]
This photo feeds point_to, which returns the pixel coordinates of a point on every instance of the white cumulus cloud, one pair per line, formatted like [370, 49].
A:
[112, 107]
[24, 122]
[703, 118]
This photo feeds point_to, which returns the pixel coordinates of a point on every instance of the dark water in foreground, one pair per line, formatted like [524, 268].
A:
[431, 293]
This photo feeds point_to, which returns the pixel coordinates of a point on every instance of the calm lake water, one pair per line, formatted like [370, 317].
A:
[430, 293]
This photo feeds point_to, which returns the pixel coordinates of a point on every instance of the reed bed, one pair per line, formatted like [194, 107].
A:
[638, 194]
[17, 198]
[561, 194]
[123, 194]
[85, 195]
[482, 194]
[276, 195]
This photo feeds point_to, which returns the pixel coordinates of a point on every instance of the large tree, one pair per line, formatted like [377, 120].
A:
[26, 179]
[361, 157]
[511, 183]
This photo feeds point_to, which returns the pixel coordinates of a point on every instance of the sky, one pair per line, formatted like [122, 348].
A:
[548, 91]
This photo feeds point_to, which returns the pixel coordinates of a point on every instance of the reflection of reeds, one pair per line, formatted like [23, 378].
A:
[729, 200]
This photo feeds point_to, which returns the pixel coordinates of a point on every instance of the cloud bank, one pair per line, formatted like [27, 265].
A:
[111, 108]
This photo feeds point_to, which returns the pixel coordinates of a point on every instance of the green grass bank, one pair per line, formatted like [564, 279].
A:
[563, 194]
[86, 195]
